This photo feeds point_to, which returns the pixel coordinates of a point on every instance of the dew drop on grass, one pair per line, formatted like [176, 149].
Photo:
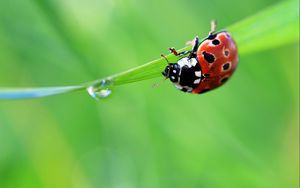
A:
[100, 90]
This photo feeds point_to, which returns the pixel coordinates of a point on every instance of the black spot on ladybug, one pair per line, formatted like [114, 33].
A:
[216, 42]
[226, 53]
[224, 80]
[226, 66]
[206, 75]
[208, 57]
[204, 91]
[212, 36]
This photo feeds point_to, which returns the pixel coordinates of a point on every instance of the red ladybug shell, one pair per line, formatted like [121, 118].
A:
[218, 58]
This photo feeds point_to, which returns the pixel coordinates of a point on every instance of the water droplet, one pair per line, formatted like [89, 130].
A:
[100, 90]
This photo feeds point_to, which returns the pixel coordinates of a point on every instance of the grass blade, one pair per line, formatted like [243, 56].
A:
[275, 26]
[8, 93]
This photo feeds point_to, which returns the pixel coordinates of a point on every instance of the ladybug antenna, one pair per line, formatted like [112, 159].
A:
[162, 55]
[213, 26]
[156, 85]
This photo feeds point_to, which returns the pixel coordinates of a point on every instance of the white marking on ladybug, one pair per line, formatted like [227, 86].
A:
[186, 61]
[174, 71]
[197, 81]
[172, 77]
[198, 73]
[193, 62]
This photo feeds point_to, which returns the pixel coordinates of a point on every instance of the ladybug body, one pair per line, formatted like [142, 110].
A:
[207, 66]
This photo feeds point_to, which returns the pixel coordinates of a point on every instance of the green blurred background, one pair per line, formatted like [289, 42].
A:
[244, 134]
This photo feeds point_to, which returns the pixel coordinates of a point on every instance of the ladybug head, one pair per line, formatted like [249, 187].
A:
[172, 72]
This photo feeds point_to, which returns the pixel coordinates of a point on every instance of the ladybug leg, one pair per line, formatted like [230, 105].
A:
[213, 27]
[196, 45]
[193, 53]
[174, 51]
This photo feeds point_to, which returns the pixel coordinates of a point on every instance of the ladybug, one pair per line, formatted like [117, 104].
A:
[207, 66]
